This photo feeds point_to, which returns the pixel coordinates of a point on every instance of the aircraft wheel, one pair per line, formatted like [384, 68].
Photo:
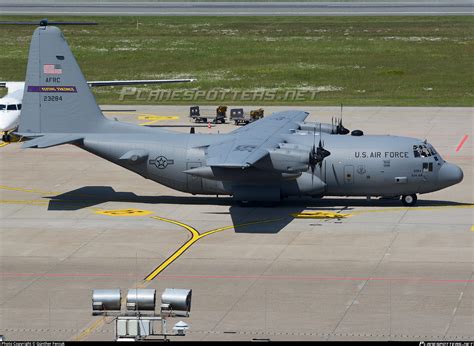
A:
[409, 200]
[6, 138]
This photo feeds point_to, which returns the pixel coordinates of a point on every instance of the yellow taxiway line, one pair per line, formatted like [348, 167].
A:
[152, 119]
[41, 192]
[195, 236]
[24, 202]
[311, 214]
[97, 324]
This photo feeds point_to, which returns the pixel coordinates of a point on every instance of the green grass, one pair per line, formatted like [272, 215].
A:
[396, 61]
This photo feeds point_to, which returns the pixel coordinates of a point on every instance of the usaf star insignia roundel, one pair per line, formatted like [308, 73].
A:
[161, 162]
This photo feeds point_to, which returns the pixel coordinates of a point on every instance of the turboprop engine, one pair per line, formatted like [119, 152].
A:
[335, 128]
[289, 158]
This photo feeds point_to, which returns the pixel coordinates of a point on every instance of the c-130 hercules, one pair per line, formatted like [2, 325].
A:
[270, 159]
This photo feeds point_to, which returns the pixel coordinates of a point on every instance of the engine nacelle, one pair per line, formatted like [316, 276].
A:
[325, 128]
[333, 129]
[293, 146]
[289, 160]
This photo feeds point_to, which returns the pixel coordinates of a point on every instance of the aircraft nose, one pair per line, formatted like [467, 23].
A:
[3, 125]
[450, 174]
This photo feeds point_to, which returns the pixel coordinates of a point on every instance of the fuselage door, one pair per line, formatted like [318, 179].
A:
[349, 174]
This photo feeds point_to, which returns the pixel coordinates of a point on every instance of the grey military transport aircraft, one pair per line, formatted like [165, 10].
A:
[273, 158]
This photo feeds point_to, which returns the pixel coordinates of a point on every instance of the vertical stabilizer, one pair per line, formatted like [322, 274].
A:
[57, 98]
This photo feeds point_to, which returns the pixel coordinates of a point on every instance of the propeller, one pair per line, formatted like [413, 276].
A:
[340, 129]
[317, 154]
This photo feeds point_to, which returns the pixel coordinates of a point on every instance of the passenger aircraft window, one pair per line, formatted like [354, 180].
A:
[2, 107]
[11, 107]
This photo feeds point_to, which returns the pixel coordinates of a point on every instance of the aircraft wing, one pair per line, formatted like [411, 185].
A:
[136, 82]
[14, 86]
[252, 142]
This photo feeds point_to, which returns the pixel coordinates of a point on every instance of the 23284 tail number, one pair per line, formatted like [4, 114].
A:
[52, 98]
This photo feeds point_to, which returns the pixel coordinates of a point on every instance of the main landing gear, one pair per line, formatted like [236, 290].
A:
[409, 200]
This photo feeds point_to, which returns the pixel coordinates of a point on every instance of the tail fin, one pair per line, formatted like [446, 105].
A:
[57, 98]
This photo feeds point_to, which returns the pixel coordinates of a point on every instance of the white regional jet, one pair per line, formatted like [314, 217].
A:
[10, 105]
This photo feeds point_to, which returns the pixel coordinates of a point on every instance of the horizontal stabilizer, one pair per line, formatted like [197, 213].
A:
[137, 82]
[52, 140]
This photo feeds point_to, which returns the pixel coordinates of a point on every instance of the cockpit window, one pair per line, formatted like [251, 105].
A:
[11, 108]
[19, 107]
[422, 151]
[416, 153]
[2, 107]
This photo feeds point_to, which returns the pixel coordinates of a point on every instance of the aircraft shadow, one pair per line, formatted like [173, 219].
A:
[258, 219]
[254, 218]
[89, 196]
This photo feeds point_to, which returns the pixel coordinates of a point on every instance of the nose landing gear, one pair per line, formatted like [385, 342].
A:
[409, 200]
[6, 137]
[9, 137]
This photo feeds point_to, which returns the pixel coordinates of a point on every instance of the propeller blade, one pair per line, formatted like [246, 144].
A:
[314, 135]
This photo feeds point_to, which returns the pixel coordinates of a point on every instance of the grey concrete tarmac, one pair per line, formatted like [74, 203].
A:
[235, 8]
[384, 273]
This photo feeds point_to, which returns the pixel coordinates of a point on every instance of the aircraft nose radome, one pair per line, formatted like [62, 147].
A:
[450, 174]
[4, 125]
